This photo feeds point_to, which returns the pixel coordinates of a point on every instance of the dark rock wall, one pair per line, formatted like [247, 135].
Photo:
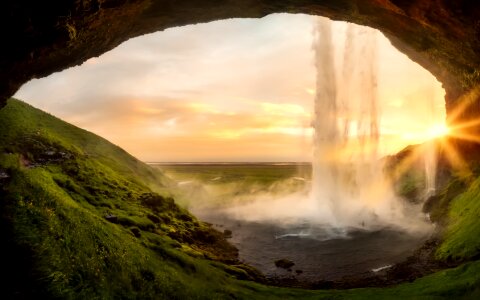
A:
[42, 37]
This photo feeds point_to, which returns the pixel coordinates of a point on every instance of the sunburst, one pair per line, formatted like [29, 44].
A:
[445, 136]
[438, 131]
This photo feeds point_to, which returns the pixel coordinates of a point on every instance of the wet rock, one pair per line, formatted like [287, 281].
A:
[153, 218]
[50, 153]
[185, 217]
[206, 236]
[4, 174]
[165, 219]
[298, 272]
[136, 232]
[284, 263]
[227, 234]
[111, 218]
[157, 202]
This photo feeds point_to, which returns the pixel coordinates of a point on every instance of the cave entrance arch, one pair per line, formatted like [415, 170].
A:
[218, 70]
[442, 36]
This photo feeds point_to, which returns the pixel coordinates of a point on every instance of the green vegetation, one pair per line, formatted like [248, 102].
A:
[252, 174]
[216, 184]
[461, 237]
[407, 171]
[411, 185]
[438, 206]
[455, 208]
[85, 214]
[82, 219]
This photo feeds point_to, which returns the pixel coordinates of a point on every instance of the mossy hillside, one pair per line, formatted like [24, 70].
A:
[455, 208]
[59, 243]
[438, 206]
[86, 218]
[77, 254]
[31, 130]
[461, 239]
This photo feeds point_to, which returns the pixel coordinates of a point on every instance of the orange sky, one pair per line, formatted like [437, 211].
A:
[233, 90]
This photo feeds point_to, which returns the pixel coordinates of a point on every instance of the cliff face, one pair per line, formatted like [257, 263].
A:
[39, 38]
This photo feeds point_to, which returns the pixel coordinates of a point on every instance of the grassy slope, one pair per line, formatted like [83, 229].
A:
[53, 208]
[462, 235]
[59, 244]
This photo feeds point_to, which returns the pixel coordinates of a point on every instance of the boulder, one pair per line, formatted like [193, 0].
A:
[284, 263]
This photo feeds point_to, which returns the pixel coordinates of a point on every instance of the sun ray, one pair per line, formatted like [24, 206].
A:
[464, 125]
[466, 136]
[407, 163]
[465, 102]
[454, 158]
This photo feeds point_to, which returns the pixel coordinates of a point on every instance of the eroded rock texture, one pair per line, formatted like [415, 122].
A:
[42, 37]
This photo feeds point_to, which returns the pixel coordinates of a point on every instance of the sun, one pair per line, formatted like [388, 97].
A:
[458, 129]
[438, 130]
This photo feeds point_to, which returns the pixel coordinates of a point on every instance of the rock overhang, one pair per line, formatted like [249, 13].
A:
[442, 36]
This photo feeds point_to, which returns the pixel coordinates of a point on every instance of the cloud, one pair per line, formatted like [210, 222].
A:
[165, 128]
[221, 90]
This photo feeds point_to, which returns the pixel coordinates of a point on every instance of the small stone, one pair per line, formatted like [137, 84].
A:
[111, 218]
[284, 263]
[3, 174]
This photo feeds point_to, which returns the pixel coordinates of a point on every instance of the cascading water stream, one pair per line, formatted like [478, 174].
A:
[326, 138]
[430, 157]
[348, 184]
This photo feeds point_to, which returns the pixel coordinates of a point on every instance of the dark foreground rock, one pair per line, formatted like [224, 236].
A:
[284, 263]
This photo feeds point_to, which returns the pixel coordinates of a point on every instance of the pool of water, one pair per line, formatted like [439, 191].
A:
[319, 252]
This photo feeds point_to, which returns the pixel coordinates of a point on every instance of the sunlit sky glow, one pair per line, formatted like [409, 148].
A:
[232, 90]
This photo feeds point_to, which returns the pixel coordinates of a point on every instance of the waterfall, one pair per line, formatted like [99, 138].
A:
[430, 155]
[348, 185]
[326, 137]
[430, 159]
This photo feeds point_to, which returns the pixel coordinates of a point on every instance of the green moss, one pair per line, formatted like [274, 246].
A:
[140, 222]
[55, 206]
[411, 186]
[9, 160]
[438, 206]
[461, 239]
